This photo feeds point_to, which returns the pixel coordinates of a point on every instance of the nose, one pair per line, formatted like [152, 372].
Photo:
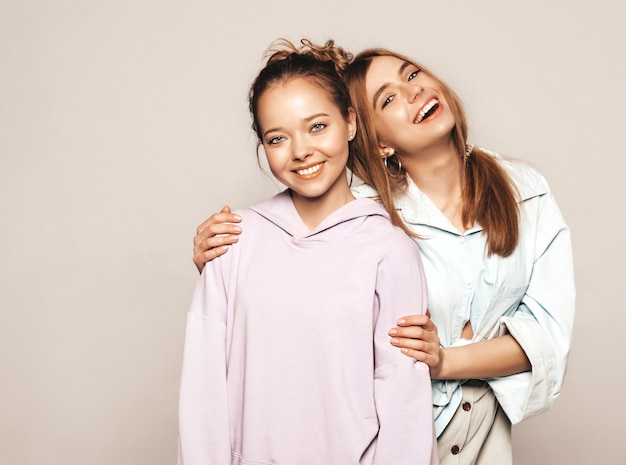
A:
[412, 91]
[301, 147]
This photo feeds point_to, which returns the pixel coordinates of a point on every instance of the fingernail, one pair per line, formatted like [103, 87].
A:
[393, 332]
[401, 321]
[237, 228]
[395, 341]
[234, 238]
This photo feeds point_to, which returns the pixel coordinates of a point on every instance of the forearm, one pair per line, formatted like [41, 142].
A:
[500, 356]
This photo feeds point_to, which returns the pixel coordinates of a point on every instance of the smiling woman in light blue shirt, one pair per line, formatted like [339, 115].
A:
[496, 253]
[529, 294]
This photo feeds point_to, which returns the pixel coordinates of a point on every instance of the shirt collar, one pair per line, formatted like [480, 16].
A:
[416, 208]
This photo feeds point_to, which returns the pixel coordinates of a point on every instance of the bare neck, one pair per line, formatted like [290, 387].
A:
[439, 174]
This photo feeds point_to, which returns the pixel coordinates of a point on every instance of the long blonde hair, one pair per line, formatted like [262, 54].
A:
[488, 194]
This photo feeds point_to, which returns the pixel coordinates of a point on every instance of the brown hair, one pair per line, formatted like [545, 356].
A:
[488, 195]
[324, 64]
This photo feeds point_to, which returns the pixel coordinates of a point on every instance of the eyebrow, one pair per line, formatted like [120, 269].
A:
[401, 69]
[305, 120]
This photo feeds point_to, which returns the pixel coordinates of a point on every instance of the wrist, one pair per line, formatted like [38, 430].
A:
[438, 371]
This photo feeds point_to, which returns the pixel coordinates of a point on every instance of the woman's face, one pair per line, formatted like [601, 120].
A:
[410, 111]
[305, 138]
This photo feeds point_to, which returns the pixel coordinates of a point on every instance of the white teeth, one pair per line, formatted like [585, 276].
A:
[311, 170]
[425, 109]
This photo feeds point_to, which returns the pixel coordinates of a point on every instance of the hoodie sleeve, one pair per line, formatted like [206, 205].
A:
[543, 322]
[402, 386]
[203, 414]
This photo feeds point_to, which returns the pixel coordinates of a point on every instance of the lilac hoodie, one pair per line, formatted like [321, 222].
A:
[287, 359]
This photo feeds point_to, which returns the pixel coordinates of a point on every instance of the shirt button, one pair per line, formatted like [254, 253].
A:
[455, 450]
[467, 406]
[468, 285]
[461, 239]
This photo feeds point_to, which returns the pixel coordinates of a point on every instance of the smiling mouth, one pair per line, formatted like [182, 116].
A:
[310, 170]
[427, 110]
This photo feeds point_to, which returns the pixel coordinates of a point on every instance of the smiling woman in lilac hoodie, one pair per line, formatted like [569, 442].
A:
[256, 387]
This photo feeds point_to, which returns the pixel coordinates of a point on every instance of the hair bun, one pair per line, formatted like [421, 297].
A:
[281, 49]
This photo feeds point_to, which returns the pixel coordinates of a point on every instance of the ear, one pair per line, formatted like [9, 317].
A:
[386, 151]
[351, 124]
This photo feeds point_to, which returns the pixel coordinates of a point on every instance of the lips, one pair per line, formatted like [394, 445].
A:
[308, 171]
[427, 110]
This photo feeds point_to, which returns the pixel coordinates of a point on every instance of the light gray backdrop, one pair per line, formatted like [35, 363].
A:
[123, 124]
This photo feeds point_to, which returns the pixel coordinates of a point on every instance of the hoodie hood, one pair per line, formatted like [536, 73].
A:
[281, 211]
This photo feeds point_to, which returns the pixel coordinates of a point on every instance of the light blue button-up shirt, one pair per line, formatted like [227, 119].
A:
[529, 294]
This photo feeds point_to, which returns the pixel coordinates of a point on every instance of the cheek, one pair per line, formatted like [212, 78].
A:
[275, 159]
[386, 128]
[336, 145]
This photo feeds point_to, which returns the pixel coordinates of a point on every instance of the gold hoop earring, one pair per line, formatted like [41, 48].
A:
[398, 170]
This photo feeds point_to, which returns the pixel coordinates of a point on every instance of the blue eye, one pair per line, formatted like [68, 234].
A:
[317, 127]
[275, 140]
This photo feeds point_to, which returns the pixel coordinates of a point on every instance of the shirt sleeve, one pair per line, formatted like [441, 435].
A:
[203, 413]
[402, 388]
[543, 322]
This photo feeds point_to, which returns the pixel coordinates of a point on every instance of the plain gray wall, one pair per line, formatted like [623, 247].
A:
[123, 124]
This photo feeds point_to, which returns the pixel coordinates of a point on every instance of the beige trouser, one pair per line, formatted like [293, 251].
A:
[479, 432]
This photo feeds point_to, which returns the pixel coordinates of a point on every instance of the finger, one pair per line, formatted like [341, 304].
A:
[227, 229]
[414, 344]
[411, 332]
[413, 320]
[205, 224]
[214, 253]
[202, 246]
[221, 228]
[427, 331]
[428, 359]
[416, 334]
[202, 258]
[218, 241]
[416, 354]
[225, 216]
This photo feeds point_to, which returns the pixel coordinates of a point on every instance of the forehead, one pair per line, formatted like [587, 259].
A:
[291, 102]
[304, 89]
[385, 66]
[384, 70]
